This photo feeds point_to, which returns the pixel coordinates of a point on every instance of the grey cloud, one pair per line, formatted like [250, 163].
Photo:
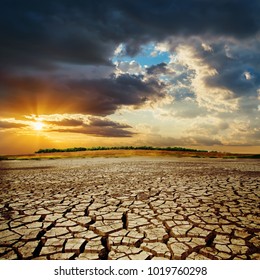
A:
[106, 123]
[223, 125]
[157, 69]
[231, 71]
[98, 132]
[104, 96]
[98, 97]
[158, 140]
[206, 140]
[66, 122]
[255, 137]
[97, 127]
[237, 65]
[183, 78]
[231, 60]
[187, 109]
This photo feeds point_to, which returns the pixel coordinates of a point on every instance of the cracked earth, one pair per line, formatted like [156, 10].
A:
[130, 208]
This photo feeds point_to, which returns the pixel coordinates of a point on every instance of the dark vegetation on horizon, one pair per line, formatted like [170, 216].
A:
[150, 148]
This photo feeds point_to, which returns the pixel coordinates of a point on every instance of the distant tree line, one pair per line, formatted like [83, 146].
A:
[54, 150]
[149, 148]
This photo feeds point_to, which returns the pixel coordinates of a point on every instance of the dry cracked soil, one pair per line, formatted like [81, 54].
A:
[130, 208]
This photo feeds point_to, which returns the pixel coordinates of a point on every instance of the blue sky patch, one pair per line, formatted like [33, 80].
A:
[145, 57]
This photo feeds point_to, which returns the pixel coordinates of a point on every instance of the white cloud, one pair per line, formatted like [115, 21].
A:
[206, 47]
[161, 47]
[130, 67]
[213, 98]
[248, 75]
[228, 52]
[119, 49]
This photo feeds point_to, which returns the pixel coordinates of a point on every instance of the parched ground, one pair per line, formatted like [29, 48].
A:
[130, 208]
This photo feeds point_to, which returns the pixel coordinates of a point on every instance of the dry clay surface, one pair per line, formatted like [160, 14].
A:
[130, 208]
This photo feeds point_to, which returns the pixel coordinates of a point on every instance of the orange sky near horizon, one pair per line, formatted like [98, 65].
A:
[37, 135]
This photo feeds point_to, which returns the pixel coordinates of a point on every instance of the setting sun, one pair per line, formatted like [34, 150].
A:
[38, 125]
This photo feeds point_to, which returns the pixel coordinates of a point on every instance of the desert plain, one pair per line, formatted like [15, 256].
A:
[130, 208]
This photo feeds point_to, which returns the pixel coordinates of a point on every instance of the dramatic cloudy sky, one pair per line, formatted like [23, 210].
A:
[161, 73]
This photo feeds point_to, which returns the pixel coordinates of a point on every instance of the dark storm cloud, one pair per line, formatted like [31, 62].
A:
[238, 67]
[96, 97]
[98, 127]
[40, 33]
[104, 96]
[235, 80]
